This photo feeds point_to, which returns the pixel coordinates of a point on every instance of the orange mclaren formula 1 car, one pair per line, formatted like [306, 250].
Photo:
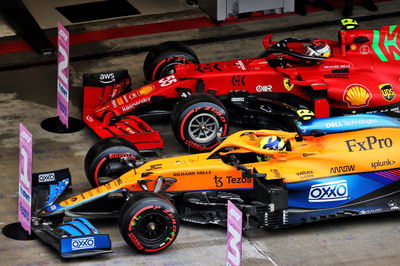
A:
[331, 167]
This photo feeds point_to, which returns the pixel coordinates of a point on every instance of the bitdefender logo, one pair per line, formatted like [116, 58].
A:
[329, 191]
[82, 243]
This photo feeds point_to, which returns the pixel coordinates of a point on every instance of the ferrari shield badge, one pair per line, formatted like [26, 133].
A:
[286, 83]
[387, 92]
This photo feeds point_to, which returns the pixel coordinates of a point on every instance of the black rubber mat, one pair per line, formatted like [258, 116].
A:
[97, 10]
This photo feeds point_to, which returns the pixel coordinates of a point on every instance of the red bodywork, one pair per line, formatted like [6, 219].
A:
[362, 75]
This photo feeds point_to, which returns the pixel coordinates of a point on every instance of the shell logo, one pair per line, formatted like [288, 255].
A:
[146, 90]
[357, 95]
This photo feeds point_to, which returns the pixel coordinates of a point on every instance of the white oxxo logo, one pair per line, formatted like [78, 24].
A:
[329, 191]
[82, 243]
[266, 88]
[47, 177]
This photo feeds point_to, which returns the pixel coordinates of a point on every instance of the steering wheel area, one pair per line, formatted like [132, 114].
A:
[281, 48]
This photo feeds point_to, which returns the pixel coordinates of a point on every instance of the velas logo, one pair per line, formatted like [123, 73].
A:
[82, 243]
[386, 43]
[329, 191]
[387, 92]
[146, 90]
[357, 95]
[286, 83]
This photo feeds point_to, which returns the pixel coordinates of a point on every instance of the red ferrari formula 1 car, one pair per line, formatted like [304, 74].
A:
[360, 76]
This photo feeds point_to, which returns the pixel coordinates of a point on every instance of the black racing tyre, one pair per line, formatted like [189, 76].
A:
[198, 120]
[149, 222]
[104, 160]
[161, 60]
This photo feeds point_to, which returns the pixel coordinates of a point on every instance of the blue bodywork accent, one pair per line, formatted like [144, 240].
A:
[334, 191]
[348, 123]
[83, 236]
[56, 190]
[79, 226]
[72, 231]
[87, 224]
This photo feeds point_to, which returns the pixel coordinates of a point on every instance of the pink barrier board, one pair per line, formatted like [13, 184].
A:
[25, 178]
[234, 236]
[63, 74]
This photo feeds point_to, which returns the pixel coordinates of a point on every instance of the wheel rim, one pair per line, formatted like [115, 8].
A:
[151, 227]
[203, 128]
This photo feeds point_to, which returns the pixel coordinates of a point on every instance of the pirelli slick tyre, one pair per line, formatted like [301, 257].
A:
[107, 160]
[149, 223]
[198, 121]
[162, 59]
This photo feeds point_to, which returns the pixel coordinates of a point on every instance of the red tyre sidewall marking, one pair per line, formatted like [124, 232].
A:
[96, 172]
[137, 214]
[153, 75]
[183, 123]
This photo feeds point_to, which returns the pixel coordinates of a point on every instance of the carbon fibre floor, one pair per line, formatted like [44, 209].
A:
[27, 95]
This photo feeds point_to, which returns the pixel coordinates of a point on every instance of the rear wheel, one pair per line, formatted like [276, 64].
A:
[162, 59]
[149, 223]
[110, 158]
[198, 121]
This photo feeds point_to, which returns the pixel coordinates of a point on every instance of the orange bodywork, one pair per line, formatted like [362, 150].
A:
[309, 158]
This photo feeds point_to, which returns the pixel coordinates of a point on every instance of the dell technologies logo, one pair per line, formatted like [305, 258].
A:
[82, 243]
[329, 191]
[48, 177]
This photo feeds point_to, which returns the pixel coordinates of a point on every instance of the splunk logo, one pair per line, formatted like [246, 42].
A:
[329, 191]
[82, 243]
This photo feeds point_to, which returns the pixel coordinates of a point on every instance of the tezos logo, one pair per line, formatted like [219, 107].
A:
[82, 243]
[329, 191]
[107, 78]
[267, 88]
[47, 177]
[370, 143]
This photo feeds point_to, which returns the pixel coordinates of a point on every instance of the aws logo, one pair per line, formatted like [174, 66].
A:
[107, 78]
[369, 143]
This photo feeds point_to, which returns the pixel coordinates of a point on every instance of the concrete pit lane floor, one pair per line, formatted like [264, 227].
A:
[27, 95]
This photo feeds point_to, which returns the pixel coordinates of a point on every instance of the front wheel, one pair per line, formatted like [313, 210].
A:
[162, 59]
[110, 158]
[198, 121]
[149, 223]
